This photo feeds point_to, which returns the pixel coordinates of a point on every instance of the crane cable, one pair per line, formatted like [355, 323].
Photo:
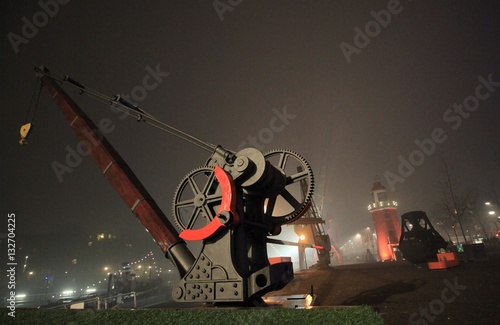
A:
[119, 103]
[26, 127]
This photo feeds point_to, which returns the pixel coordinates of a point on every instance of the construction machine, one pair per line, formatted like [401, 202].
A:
[232, 205]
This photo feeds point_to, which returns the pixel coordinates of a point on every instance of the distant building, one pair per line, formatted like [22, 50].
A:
[386, 222]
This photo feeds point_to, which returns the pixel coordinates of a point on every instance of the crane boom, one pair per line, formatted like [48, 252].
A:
[121, 177]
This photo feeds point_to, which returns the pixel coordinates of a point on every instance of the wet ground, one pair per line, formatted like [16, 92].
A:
[405, 293]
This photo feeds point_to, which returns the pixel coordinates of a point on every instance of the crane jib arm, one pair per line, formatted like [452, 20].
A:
[116, 171]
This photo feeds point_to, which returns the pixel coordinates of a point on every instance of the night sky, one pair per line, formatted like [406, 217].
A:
[356, 85]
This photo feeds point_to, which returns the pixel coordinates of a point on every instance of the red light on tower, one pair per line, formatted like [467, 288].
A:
[386, 222]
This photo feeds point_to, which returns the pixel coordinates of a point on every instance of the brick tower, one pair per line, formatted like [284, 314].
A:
[386, 222]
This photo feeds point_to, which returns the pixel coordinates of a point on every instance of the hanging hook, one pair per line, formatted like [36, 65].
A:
[26, 127]
[25, 130]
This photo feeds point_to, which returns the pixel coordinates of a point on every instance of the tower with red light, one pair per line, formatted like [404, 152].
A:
[386, 222]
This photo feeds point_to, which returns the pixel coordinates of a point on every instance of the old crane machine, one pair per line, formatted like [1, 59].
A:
[232, 205]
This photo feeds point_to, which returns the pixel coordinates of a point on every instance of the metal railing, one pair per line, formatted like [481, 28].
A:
[100, 302]
[107, 299]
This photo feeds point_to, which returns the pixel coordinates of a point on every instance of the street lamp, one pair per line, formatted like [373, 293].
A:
[360, 238]
[302, 253]
[369, 238]
[492, 213]
[25, 263]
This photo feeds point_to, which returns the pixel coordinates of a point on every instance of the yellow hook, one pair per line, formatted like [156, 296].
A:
[25, 130]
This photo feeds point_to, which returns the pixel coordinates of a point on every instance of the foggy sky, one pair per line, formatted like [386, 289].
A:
[354, 115]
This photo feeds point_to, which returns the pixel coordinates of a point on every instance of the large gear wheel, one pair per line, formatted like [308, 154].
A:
[198, 196]
[294, 199]
[197, 199]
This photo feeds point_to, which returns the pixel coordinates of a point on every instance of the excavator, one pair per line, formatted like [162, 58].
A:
[232, 204]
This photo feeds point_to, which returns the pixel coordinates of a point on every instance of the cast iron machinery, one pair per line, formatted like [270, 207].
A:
[231, 205]
[419, 242]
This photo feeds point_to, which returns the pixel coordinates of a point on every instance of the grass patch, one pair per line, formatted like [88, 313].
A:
[223, 316]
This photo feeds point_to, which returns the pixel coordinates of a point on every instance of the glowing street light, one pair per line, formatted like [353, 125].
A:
[25, 263]
[359, 237]
[492, 213]
[302, 253]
